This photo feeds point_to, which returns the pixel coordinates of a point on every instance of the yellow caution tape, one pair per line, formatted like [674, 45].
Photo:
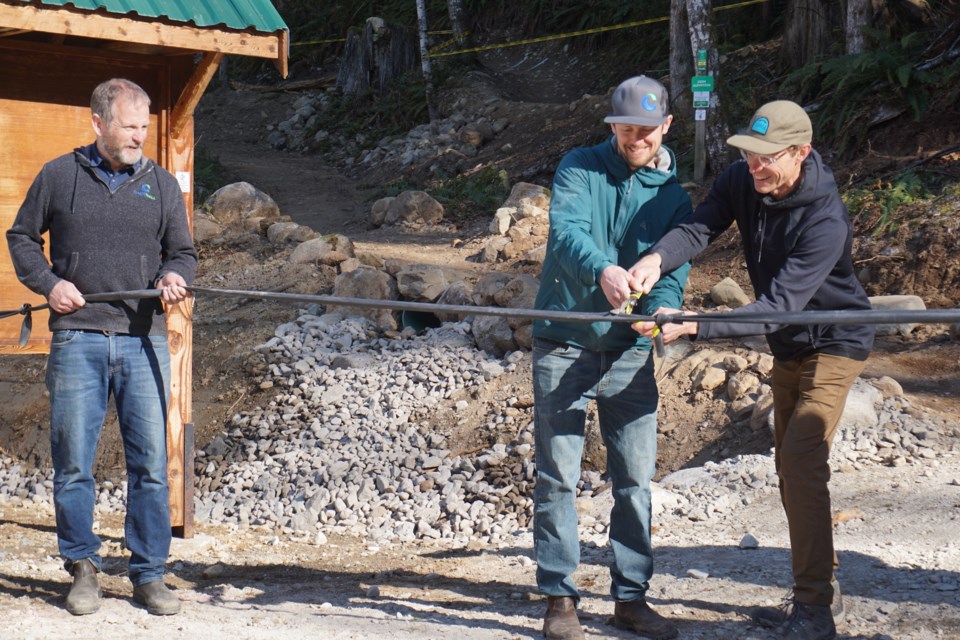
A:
[584, 32]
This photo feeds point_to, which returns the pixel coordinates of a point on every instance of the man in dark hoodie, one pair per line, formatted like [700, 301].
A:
[610, 203]
[796, 238]
[116, 222]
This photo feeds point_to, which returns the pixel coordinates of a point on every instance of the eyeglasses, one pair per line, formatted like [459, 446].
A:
[765, 161]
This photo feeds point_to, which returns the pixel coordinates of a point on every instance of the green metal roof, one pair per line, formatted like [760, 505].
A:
[259, 15]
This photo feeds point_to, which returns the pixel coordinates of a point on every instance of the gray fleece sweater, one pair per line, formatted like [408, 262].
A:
[102, 241]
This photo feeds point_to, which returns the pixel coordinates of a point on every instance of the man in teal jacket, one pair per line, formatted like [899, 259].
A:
[610, 203]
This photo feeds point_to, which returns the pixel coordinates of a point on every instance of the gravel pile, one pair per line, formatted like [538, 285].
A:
[346, 445]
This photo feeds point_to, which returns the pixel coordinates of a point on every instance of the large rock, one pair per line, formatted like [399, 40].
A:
[728, 292]
[370, 284]
[896, 303]
[238, 201]
[330, 250]
[527, 193]
[425, 282]
[414, 207]
[494, 335]
[486, 289]
[378, 212]
[205, 227]
[289, 232]
[456, 294]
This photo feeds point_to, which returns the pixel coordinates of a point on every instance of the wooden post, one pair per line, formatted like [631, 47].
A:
[699, 151]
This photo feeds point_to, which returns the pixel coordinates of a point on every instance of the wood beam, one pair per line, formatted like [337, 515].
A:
[70, 22]
[193, 91]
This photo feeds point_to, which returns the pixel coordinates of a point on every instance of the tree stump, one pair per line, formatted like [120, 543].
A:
[375, 58]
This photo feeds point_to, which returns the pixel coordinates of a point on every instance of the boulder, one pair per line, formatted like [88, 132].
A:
[289, 232]
[728, 293]
[238, 201]
[896, 303]
[378, 212]
[413, 207]
[205, 227]
[370, 284]
[494, 335]
[527, 193]
[425, 282]
[485, 290]
[458, 294]
[331, 250]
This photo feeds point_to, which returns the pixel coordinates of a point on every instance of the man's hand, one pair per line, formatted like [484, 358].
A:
[616, 284]
[671, 330]
[174, 288]
[646, 272]
[65, 297]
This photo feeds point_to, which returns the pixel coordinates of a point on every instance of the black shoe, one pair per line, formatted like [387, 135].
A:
[85, 594]
[771, 617]
[806, 622]
[158, 600]
[637, 616]
[560, 621]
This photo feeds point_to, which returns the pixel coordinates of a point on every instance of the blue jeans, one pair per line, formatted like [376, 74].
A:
[565, 379]
[83, 369]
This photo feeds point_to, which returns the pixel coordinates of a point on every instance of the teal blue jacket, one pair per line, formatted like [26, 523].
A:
[601, 214]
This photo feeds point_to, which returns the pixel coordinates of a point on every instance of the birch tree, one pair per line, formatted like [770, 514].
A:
[699, 17]
[425, 59]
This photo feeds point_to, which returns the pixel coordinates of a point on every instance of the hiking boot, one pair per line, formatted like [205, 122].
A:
[158, 600]
[637, 616]
[806, 622]
[561, 622]
[85, 594]
[771, 617]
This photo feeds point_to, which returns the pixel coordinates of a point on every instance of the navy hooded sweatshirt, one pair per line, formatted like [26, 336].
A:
[798, 254]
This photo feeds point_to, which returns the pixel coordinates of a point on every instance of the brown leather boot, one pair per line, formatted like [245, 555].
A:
[561, 622]
[84, 596]
[637, 616]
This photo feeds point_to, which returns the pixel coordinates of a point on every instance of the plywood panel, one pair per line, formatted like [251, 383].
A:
[44, 113]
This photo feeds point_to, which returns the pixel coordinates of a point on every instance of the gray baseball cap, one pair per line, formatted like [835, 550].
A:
[639, 100]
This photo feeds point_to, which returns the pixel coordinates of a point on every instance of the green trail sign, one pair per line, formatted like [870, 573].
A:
[701, 83]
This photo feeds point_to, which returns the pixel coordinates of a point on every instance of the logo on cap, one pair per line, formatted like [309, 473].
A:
[760, 125]
[650, 102]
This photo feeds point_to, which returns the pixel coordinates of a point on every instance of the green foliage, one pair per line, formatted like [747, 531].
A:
[884, 207]
[479, 193]
[208, 174]
[853, 90]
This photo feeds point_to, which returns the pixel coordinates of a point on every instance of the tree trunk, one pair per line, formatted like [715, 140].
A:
[699, 16]
[811, 30]
[425, 60]
[455, 10]
[374, 58]
[681, 60]
[858, 16]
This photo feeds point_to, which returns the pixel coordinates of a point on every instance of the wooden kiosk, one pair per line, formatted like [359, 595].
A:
[52, 55]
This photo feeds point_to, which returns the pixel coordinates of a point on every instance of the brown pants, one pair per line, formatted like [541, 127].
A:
[808, 399]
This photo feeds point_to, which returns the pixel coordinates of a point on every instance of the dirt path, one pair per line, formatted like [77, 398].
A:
[233, 127]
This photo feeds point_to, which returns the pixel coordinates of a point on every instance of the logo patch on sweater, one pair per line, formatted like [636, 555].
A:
[144, 191]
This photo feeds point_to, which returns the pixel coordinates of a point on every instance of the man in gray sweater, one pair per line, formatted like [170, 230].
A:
[116, 222]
